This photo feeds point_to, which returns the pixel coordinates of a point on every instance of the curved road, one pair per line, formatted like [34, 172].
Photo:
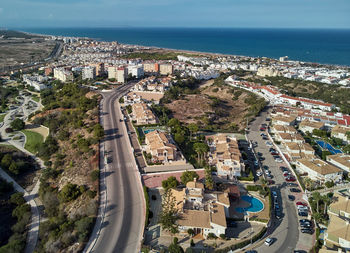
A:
[120, 224]
[285, 230]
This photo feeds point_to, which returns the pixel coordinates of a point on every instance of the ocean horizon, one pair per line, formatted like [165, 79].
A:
[326, 46]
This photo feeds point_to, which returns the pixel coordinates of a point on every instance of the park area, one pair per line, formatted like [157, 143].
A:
[33, 140]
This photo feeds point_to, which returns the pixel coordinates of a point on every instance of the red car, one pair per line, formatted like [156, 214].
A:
[290, 179]
[274, 153]
[269, 182]
[262, 129]
[286, 173]
[299, 203]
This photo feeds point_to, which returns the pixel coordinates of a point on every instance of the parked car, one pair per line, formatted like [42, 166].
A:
[306, 225]
[302, 208]
[262, 128]
[300, 203]
[272, 150]
[265, 167]
[270, 182]
[278, 214]
[267, 172]
[295, 190]
[265, 138]
[274, 194]
[259, 154]
[261, 158]
[278, 160]
[307, 230]
[291, 197]
[268, 241]
[268, 143]
[290, 179]
[286, 173]
[274, 153]
[259, 173]
[256, 163]
[293, 185]
[304, 214]
[269, 176]
[304, 221]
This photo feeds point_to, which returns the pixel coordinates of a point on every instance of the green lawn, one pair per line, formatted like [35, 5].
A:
[36, 99]
[2, 116]
[33, 141]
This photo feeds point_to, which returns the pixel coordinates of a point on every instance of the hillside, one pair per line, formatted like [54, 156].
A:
[217, 107]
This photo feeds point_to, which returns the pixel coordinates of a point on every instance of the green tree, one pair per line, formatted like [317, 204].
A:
[316, 196]
[190, 232]
[17, 124]
[99, 131]
[6, 161]
[209, 182]
[173, 122]
[329, 184]
[193, 129]
[14, 168]
[169, 183]
[201, 149]
[69, 192]
[188, 176]
[169, 214]
[17, 198]
[179, 138]
[174, 247]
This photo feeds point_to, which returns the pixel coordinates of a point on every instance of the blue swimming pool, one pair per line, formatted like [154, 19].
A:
[255, 205]
[146, 131]
[328, 146]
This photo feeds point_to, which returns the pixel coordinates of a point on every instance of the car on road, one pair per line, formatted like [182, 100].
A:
[268, 241]
[295, 190]
[291, 197]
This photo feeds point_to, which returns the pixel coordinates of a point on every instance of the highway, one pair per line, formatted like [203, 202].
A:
[119, 227]
[285, 231]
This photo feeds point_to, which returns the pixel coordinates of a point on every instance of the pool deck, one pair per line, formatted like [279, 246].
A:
[263, 214]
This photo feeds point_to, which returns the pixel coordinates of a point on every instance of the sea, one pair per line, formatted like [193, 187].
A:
[327, 46]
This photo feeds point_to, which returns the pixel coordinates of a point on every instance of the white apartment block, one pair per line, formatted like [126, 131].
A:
[88, 72]
[63, 75]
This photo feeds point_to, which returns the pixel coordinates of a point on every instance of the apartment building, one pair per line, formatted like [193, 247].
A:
[121, 75]
[201, 211]
[160, 147]
[283, 129]
[342, 161]
[337, 234]
[88, 72]
[136, 71]
[297, 151]
[340, 132]
[309, 126]
[63, 75]
[151, 67]
[166, 69]
[142, 115]
[99, 67]
[225, 155]
[289, 137]
[284, 120]
[319, 170]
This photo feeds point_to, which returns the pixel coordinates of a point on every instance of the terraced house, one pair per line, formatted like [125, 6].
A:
[225, 155]
[337, 234]
[201, 211]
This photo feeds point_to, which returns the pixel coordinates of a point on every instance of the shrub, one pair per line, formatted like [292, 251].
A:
[329, 184]
[83, 227]
[17, 198]
[254, 187]
[223, 236]
[192, 243]
[69, 192]
[211, 236]
[91, 194]
[17, 124]
[95, 175]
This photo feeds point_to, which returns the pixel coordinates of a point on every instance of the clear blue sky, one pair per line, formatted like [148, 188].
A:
[176, 13]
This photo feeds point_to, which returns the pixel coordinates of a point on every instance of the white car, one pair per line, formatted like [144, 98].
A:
[279, 160]
[259, 173]
[268, 143]
[268, 241]
[302, 208]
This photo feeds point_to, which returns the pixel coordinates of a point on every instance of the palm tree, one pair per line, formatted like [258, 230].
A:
[307, 183]
[326, 200]
[317, 197]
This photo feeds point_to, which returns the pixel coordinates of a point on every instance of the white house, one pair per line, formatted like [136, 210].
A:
[319, 170]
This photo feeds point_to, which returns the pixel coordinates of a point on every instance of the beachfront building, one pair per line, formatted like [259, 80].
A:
[308, 126]
[342, 161]
[201, 211]
[341, 133]
[337, 234]
[63, 75]
[319, 170]
[142, 114]
[225, 155]
[161, 147]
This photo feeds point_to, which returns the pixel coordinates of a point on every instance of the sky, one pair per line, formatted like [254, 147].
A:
[176, 13]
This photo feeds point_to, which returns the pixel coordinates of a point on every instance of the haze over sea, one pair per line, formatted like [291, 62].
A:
[329, 46]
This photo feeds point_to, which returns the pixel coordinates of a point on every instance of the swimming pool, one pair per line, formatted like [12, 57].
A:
[328, 146]
[255, 205]
[146, 131]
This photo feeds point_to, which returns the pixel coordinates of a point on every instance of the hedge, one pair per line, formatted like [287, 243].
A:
[145, 191]
[244, 243]
[254, 188]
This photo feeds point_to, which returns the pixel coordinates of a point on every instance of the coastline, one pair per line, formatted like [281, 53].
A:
[204, 53]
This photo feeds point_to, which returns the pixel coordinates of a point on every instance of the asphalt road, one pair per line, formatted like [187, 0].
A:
[285, 231]
[123, 222]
